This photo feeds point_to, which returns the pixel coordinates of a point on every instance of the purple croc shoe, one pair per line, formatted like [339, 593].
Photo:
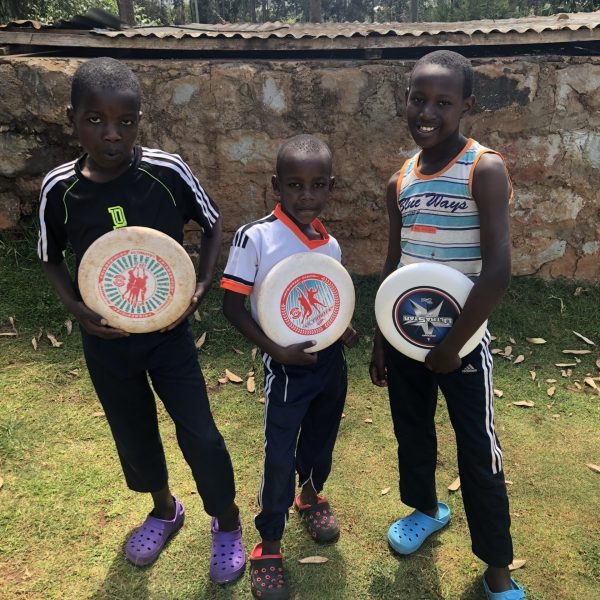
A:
[146, 543]
[227, 556]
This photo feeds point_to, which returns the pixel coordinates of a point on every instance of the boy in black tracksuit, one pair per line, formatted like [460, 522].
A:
[116, 184]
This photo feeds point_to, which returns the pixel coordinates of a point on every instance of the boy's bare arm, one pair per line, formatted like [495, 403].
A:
[60, 279]
[377, 366]
[491, 191]
[210, 248]
[236, 312]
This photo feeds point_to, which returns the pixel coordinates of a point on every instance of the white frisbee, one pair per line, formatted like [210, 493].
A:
[416, 306]
[307, 296]
[139, 279]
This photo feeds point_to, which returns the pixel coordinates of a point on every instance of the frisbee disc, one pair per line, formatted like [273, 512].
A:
[416, 306]
[139, 279]
[306, 296]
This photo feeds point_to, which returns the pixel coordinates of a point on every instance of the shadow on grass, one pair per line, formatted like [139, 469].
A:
[415, 577]
[474, 591]
[123, 579]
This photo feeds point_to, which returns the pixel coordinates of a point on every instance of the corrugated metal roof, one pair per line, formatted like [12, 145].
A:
[314, 37]
[563, 21]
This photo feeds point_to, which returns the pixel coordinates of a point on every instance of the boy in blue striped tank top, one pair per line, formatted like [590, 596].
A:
[449, 204]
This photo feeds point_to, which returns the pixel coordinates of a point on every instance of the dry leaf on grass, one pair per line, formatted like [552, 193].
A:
[577, 385]
[251, 385]
[223, 380]
[1, 483]
[262, 400]
[507, 351]
[550, 380]
[536, 340]
[55, 343]
[519, 359]
[455, 485]
[525, 403]
[11, 320]
[69, 326]
[493, 338]
[73, 373]
[564, 365]
[385, 491]
[496, 351]
[566, 373]
[8, 334]
[586, 340]
[233, 377]
[576, 351]
[98, 414]
[200, 341]
[197, 316]
[254, 351]
[594, 467]
[533, 375]
[34, 343]
[368, 421]
[498, 393]
[517, 563]
[236, 350]
[598, 363]
[591, 383]
[250, 373]
[512, 340]
[313, 560]
[550, 391]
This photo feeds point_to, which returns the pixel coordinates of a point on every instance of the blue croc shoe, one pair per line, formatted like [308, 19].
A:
[517, 592]
[406, 535]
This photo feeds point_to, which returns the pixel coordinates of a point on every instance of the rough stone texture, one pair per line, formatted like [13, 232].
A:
[227, 120]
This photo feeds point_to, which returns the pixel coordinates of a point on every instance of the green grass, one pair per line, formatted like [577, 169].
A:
[65, 512]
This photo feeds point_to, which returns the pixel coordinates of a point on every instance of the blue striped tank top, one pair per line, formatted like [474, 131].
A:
[440, 218]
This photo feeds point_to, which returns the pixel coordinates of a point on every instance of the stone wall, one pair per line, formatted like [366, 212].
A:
[227, 120]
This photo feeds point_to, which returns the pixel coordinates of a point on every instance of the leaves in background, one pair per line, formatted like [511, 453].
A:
[233, 377]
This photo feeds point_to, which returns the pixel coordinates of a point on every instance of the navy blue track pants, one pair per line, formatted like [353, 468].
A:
[303, 409]
[119, 370]
[469, 396]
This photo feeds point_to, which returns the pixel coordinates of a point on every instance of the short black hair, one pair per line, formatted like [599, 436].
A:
[103, 74]
[452, 61]
[303, 143]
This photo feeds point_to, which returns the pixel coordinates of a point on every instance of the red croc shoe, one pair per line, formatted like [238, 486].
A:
[267, 580]
[319, 519]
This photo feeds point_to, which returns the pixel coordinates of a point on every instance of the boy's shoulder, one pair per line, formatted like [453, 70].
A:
[60, 173]
[164, 163]
[254, 228]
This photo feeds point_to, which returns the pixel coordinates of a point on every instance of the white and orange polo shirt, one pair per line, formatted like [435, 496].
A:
[258, 246]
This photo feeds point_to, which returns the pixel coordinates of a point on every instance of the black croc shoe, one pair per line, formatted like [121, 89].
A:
[267, 580]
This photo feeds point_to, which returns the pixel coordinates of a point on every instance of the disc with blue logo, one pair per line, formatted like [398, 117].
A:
[417, 305]
[137, 278]
[306, 296]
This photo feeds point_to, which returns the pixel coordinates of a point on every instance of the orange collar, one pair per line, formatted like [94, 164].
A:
[278, 212]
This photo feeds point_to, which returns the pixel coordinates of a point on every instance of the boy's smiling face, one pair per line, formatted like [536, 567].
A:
[303, 185]
[435, 105]
[106, 123]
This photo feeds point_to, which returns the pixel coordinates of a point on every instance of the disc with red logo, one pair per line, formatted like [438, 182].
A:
[307, 296]
[417, 305]
[139, 279]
